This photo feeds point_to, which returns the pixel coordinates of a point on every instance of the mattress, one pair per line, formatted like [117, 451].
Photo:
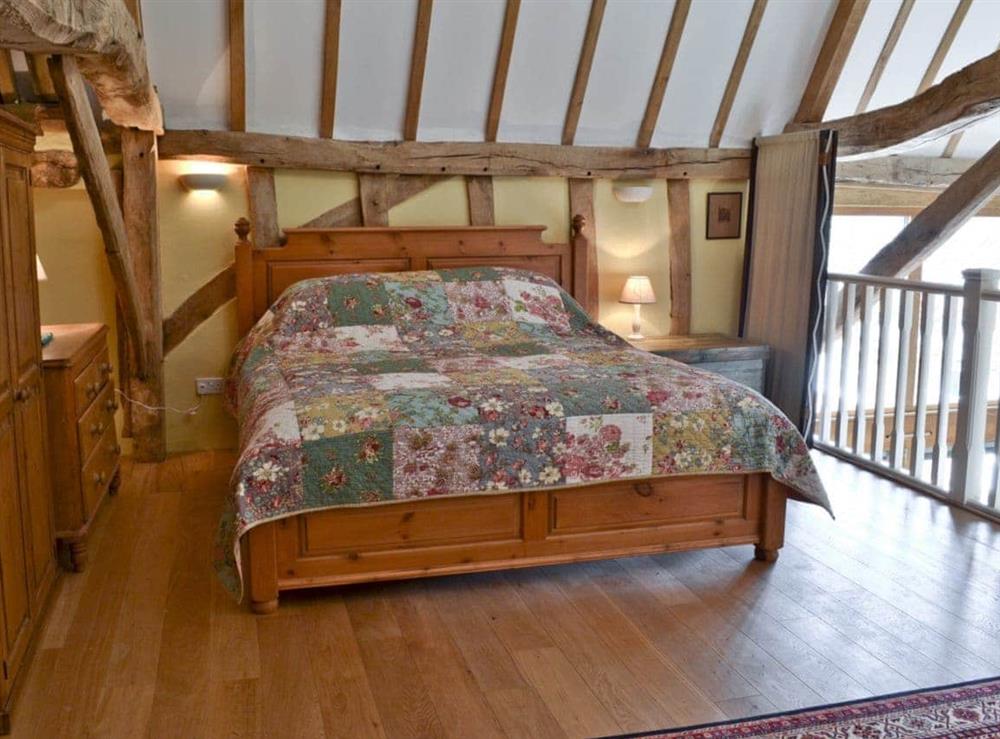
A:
[367, 389]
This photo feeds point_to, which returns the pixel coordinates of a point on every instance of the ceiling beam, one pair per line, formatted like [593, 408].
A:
[331, 60]
[583, 70]
[418, 61]
[502, 67]
[934, 225]
[453, 158]
[902, 15]
[959, 100]
[237, 67]
[903, 171]
[829, 64]
[953, 141]
[736, 74]
[8, 82]
[667, 56]
[944, 45]
[103, 34]
[54, 168]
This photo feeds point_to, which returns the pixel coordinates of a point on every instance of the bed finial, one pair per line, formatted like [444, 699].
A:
[242, 228]
[579, 223]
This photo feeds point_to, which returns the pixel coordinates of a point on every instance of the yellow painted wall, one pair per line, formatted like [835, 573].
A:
[197, 242]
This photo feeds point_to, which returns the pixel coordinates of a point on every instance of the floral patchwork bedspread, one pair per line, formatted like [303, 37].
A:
[370, 388]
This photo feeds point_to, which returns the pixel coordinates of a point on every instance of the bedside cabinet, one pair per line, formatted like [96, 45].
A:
[83, 442]
[736, 359]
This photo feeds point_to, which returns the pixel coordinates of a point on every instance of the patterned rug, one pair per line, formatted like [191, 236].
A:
[964, 711]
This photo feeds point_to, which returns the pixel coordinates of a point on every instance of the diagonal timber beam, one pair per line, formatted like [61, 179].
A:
[832, 56]
[933, 173]
[110, 47]
[936, 223]
[97, 176]
[956, 102]
[668, 54]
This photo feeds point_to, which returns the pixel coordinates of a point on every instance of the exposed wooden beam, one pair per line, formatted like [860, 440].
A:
[102, 33]
[237, 67]
[502, 66]
[881, 200]
[959, 100]
[198, 307]
[331, 61]
[104, 199]
[736, 74]
[829, 64]
[54, 168]
[263, 207]
[895, 31]
[583, 70]
[934, 225]
[401, 189]
[667, 56]
[679, 213]
[41, 80]
[418, 60]
[480, 193]
[944, 45]
[903, 171]
[8, 82]
[454, 158]
[584, 236]
[135, 10]
[142, 230]
[952, 145]
[374, 194]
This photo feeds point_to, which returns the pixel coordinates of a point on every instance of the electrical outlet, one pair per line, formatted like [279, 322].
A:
[209, 385]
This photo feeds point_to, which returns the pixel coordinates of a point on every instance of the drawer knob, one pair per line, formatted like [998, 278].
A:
[111, 405]
[22, 394]
[97, 429]
[92, 389]
[98, 478]
[106, 368]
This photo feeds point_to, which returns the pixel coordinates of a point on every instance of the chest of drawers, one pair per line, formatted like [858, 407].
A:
[83, 440]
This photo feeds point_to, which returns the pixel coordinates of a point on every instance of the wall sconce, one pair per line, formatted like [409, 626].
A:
[634, 191]
[203, 181]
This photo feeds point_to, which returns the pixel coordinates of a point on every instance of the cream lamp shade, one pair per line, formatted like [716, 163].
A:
[638, 290]
[42, 277]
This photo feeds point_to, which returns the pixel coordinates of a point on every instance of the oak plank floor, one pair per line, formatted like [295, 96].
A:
[899, 592]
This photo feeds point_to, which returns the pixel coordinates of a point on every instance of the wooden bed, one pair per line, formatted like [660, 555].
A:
[479, 532]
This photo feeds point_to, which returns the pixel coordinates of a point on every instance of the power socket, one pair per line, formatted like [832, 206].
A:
[210, 385]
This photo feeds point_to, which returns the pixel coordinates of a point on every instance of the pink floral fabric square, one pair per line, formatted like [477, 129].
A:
[435, 461]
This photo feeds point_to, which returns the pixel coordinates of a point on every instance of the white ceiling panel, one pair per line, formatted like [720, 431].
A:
[188, 48]
[979, 36]
[777, 71]
[376, 43]
[625, 60]
[542, 67]
[862, 57]
[913, 53]
[284, 65]
[704, 59]
[458, 78]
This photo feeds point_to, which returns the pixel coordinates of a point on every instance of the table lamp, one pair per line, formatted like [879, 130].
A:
[637, 291]
[42, 277]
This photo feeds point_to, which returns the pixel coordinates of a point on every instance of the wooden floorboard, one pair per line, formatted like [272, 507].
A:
[900, 592]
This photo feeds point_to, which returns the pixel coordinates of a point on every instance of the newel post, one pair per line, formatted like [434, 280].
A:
[978, 322]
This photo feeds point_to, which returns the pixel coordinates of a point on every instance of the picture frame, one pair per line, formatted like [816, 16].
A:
[724, 215]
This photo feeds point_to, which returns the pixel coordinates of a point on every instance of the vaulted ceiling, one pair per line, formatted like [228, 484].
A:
[188, 42]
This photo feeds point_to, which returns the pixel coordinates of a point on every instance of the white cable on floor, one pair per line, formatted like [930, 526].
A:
[189, 412]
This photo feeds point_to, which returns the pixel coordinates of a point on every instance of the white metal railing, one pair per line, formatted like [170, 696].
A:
[909, 382]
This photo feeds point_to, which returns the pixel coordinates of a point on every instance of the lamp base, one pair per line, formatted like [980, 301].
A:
[635, 335]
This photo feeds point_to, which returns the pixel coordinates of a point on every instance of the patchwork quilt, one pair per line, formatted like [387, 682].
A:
[366, 389]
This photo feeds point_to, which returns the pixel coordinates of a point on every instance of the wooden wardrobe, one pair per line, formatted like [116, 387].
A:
[27, 549]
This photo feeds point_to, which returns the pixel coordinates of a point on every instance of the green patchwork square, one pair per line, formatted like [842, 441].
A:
[348, 469]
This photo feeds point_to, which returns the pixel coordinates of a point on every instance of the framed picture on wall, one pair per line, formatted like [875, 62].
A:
[724, 215]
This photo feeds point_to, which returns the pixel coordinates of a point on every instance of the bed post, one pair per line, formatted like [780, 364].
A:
[584, 251]
[244, 277]
[772, 521]
[262, 572]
